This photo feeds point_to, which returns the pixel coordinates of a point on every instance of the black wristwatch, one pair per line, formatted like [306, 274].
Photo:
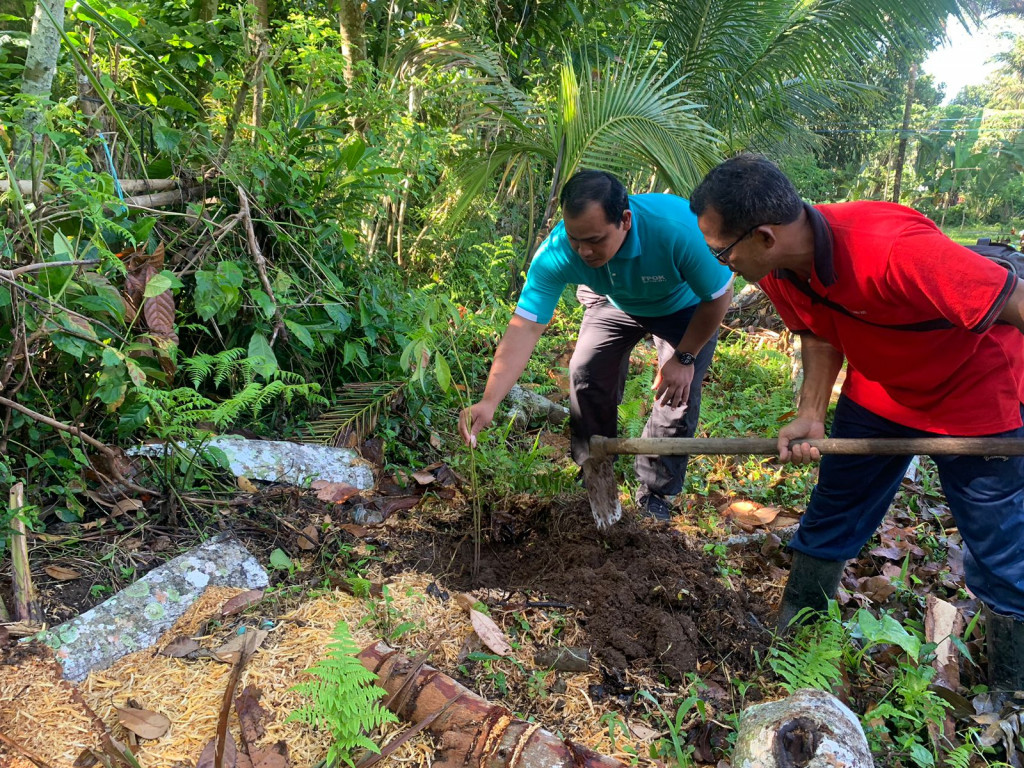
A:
[685, 358]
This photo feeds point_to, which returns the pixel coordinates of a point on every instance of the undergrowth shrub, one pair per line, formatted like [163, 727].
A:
[831, 653]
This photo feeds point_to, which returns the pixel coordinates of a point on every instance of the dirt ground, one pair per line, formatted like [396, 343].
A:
[649, 597]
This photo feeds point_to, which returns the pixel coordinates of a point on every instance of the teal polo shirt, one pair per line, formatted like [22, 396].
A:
[663, 266]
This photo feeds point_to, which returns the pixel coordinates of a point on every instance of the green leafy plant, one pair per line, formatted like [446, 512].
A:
[388, 619]
[674, 748]
[343, 699]
[813, 657]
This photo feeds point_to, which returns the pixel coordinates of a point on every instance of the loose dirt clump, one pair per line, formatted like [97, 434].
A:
[648, 598]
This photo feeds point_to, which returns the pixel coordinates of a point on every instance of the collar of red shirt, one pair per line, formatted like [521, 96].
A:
[824, 266]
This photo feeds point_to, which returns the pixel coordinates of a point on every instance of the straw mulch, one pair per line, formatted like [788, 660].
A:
[39, 712]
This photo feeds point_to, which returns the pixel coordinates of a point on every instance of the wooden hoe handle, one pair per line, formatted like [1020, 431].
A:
[757, 446]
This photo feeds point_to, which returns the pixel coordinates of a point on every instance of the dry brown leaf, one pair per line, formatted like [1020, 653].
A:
[274, 756]
[359, 531]
[250, 717]
[86, 759]
[158, 312]
[122, 506]
[240, 602]
[423, 477]
[643, 733]
[735, 508]
[144, 723]
[757, 517]
[490, 634]
[209, 755]
[179, 648]
[245, 485]
[336, 493]
[60, 573]
[399, 503]
[943, 620]
[784, 521]
[248, 641]
[309, 539]
[876, 588]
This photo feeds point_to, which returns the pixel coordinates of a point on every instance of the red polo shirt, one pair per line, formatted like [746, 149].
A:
[893, 266]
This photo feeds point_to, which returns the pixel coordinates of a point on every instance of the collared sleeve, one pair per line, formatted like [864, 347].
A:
[544, 285]
[706, 276]
[964, 287]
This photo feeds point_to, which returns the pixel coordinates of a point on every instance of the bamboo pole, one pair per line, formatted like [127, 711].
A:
[26, 606]
[128, 186]
[757, 446]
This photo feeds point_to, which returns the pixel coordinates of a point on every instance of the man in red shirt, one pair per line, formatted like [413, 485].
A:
[933, 337]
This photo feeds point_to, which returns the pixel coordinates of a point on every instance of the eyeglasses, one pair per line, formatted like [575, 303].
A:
[722, 254]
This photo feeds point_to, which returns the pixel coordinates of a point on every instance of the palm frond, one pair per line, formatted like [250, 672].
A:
[354, 413]
[628, 114]
[740, 57]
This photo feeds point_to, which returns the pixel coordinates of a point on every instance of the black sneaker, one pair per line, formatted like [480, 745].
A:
[655, 506]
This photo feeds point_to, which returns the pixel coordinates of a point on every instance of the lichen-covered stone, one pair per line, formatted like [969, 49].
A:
[280, 461]
[135, 617]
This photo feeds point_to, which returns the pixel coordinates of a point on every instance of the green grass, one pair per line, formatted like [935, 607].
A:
[969, 235]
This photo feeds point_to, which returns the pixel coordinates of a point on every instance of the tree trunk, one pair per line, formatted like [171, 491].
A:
[901, 152]
[204, 10]
[37, 79]
[262, 45]
[352, 26]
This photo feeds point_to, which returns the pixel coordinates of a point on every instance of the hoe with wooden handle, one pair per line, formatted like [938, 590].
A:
[602, 489]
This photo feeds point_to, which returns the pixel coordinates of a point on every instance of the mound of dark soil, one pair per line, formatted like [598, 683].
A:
[648, 597]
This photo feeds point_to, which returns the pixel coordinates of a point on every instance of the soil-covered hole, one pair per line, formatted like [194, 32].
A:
[649, 598]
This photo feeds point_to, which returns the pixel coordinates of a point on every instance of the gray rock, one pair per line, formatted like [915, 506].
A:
[812, 729]
[280, 461]
[363, 516]
[136, 616]
[525, 406]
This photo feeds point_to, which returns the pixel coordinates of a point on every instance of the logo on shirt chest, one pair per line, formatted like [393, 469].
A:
[648, 279]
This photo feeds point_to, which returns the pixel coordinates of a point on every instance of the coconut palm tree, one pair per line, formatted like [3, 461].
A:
[762, 68]
[721, 76]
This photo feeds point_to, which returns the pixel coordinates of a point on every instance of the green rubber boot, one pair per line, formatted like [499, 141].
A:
[1005, 641]
[812, 583]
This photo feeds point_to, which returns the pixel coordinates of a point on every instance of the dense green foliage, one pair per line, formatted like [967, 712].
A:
[348, 194]
[361, 189]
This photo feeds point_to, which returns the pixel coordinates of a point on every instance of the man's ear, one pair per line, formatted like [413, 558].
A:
[627, 220]
[767, 234]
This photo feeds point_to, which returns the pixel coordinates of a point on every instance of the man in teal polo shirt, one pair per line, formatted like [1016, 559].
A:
[642, 266]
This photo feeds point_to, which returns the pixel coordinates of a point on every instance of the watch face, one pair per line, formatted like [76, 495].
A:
[685, 358]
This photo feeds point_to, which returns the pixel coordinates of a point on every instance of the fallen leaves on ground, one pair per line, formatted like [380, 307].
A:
[144, 723]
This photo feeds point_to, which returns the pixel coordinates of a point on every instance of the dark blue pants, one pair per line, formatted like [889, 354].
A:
[985, 495]
[597, 376]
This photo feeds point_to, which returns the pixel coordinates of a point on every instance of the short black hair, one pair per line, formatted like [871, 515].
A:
[586, 187]
[747, 190]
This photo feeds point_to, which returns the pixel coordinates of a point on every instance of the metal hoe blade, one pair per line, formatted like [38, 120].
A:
[603, 491]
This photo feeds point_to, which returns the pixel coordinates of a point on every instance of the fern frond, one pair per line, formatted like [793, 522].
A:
[813, 657]
[342, 699]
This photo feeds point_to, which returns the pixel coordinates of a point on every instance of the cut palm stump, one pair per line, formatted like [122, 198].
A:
[473, 732]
